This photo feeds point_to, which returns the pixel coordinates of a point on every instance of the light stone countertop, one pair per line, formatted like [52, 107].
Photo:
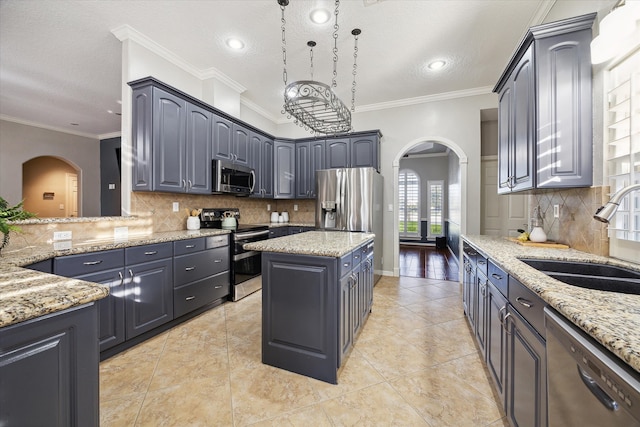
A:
[319, 243]
[289, 224]
[26, 294]
[611, 318]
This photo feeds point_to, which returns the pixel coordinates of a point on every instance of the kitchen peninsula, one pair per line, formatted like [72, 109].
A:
[317, 291]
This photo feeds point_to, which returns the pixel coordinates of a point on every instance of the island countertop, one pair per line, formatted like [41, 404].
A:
[611, 318]
[319, 243]
[26, 294]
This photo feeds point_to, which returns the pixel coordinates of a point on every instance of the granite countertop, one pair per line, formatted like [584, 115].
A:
[320, 243]
[26, 294]
[289, 224]
[611, 318]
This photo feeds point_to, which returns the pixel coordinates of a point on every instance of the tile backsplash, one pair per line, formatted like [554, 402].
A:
[575, 226]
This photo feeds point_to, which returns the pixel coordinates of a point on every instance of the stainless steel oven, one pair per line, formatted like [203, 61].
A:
[246, 266]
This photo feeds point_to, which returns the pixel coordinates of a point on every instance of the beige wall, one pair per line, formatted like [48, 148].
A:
[20, 143]
[45, 174]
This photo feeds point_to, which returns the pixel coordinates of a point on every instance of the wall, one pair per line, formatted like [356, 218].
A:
[110, 173]
[489, 138]
[45, 174]
[19, 143]
[428, 169]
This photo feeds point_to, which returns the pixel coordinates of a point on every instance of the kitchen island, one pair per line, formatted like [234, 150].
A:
[317, 290]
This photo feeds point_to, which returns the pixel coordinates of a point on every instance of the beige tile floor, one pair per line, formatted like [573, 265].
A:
[414, 364]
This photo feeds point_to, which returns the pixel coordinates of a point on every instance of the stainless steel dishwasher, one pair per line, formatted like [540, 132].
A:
[587, 386]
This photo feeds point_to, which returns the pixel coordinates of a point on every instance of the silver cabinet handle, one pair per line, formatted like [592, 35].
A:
[121, 278]
[190, 268]
[217, 287]
[505, 326]
[131, 273]
[346, 264]
[217, 260]
[190, 246]
[524, 302]
[92, 262]
[184, 183]
[496, 276]
[189, 184]
[189, 298]
[500, 317]
[151, 252]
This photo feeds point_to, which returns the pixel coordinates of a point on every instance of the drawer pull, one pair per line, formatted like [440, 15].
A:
[189, 298]
[121, 278]
[346, 264]
[524, 302]
[190, 268]
[190, 246]
[217, 287]
[217, 260]
[151, 252]
[483, 262]
[496, 276]
[92, 262]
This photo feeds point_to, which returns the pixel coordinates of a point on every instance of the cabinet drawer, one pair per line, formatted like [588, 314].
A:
[138, 254]
[356, 257]
[189, 246]
[216, 241]
[345, 264]
[188, 268]
[200, 293]
[528, 304]
[482, 263]
[77, 265]
[498, 277]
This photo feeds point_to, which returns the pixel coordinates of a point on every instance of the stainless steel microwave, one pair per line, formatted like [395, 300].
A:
[231, 178]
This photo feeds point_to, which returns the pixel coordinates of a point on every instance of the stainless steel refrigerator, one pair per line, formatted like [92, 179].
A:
[350, 199]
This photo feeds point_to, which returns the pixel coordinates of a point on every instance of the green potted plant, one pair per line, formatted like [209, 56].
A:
[7, 214]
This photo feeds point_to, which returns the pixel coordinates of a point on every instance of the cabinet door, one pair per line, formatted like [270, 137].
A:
[505, 139]
[111, 308]
[466, 286]
[198, 151]
[222, 138]
[526, 393]
[481, 311]
[318, 156]
[345, 322]
[303, 169]
[338, 153]
[357, 299]
[256, 142]
[49, 370]
[169, 140]
[142, 139]
[364, 152]
[149, 296]
[496, 342]
[565, 144]
[241, 145]
[284, 170]
[266, 168]
[523, 124]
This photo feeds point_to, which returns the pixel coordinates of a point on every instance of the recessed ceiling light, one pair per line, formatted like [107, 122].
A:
[235, 43]
[320, 16]
[436, 65]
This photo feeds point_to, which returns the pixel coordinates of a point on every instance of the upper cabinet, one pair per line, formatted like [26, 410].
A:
[362, 150]
[544, 102]
[231, 141]
[262, 163]
[171, 143]
[310, 157]
[284, 170]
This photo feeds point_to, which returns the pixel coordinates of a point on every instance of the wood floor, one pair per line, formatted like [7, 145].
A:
[427, 262]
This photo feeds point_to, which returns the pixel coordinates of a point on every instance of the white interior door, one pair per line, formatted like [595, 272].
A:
[501, 215]
[71, 207]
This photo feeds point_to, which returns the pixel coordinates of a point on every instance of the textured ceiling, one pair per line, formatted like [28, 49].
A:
[61, 64]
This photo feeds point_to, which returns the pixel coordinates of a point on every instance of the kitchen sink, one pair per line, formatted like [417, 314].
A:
[590, 275]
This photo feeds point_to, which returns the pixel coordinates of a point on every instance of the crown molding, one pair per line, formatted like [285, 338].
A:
[126, 32]
[425, 99]
[43, 126]
[109, 135]
[258, 109]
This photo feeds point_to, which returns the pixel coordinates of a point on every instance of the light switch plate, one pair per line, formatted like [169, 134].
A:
[556, 211]
[176, 206]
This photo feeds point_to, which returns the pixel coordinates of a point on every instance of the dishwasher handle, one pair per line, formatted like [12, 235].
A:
[595, 389]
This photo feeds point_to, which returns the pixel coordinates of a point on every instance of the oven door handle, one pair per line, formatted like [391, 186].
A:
[245, 255]
[248, 234]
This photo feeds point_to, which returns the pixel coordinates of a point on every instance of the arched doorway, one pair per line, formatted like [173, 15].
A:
[455, 191]
[50, 187]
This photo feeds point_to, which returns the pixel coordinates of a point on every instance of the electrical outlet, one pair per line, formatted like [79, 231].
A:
[268, 207]
[61, 206]
[176, 206]
[295, 208]
[62, 235]
[556, 211]
[120, 233]
[62, 246]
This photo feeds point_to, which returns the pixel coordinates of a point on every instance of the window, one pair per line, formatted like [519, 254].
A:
[623, 144]
[435, 197]
[409, 194]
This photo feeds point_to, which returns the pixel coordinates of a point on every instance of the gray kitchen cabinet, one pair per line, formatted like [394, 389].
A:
[345, 323]
[545, 132]
[49, 370]
[365, 151]
[496, 340]
[338, 153]
[284, 167]
[262, 163]
[171, 143]
[275, 232]
[481, 311]
[231, 141]
[45, 266]
[310, 157]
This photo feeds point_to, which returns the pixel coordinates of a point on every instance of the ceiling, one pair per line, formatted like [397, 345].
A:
[60, 63]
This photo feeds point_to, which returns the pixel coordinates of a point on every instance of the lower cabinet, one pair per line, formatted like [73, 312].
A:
[49, 370]
[496, 342]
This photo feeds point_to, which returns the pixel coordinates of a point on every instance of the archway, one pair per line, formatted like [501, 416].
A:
[460, 209]
[50, 187]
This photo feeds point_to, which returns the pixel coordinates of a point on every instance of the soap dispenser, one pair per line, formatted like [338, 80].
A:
[537, 232]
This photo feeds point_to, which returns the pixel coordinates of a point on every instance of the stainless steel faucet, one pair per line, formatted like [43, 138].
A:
[606, 212]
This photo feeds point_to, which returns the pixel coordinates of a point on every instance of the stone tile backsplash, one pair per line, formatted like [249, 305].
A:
[575, 226]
